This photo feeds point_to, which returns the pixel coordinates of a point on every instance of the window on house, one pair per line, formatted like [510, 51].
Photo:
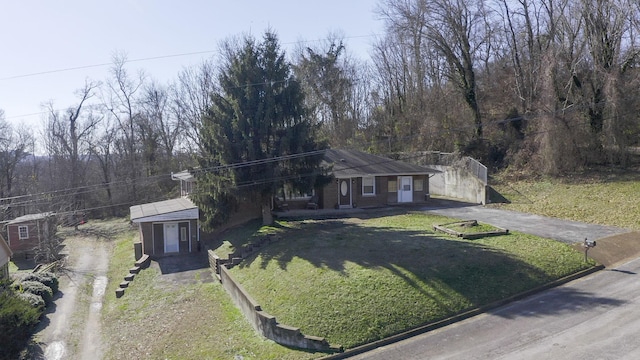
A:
[23, 232]
[392, 186]
[368, 185]
[418, 184]
[183, 234]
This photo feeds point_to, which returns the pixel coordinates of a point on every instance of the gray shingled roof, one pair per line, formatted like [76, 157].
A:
[161, 207]
[30, 217]
[353, 163]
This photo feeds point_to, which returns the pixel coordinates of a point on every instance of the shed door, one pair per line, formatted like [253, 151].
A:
[344, 193]
[405, 189]
[171, 240]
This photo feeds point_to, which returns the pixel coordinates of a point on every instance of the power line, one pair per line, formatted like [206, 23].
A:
[59, 194]
[143, 60]
[104, 64]
[102, 186]
[56, 195]
[88, 189]
[151, 58]
[235, 166]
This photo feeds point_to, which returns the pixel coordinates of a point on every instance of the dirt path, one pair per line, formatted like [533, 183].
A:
[73, 327]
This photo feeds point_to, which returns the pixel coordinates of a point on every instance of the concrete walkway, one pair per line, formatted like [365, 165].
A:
[561, 230]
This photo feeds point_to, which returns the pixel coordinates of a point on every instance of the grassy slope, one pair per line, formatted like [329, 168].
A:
[198, 321]
[605, 200]
[361, 280]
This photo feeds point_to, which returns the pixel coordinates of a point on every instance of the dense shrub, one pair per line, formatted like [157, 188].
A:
[38, 288]
[47, 278]
[33, 299]
[17, 320]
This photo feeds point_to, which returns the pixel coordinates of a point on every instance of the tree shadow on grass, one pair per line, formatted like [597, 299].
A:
[431, 264]
[444, 276]
[238, 236]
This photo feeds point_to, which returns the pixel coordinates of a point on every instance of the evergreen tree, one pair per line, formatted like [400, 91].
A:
[255, 136]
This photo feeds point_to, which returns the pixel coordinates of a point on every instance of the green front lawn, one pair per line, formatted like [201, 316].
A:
[160, 320]
[358, 280]
[606, 199]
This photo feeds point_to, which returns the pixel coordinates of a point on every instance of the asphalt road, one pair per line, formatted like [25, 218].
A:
[595, 317]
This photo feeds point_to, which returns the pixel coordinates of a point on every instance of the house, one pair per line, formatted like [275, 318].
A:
[167, 227]
[365, 180]
[5, 256]
[26, 233]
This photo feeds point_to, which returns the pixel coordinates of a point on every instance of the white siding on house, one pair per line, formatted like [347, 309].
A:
[5, 253]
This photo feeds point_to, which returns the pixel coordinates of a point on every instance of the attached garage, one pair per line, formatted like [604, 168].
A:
[168, 227]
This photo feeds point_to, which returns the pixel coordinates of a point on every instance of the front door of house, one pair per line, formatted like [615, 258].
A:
[405, 189]
[171, 240]
[344, 193]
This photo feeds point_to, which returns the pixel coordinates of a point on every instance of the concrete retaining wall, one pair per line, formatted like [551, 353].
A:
[266, 324]
[457, 183]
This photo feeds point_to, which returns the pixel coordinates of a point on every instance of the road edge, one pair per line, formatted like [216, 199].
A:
[462, 316]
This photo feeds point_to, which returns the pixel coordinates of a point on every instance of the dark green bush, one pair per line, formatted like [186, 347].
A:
[38, 288]
[17, 321]
[47, 278]
[33, 299]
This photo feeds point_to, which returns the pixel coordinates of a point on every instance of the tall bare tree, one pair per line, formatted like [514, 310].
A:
[460, 31]
[609, 28]
[190, 99]
[122, 101]
[102, 150]
[69, 137]
[15, 145]
[159, 133]
[325, 77]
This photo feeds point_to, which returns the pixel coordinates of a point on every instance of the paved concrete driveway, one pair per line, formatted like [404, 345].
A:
[562, 230]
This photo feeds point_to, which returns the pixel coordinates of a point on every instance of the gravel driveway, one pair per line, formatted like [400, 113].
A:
[72, 330]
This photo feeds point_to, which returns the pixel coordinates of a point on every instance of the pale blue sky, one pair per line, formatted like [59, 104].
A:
[43, 36]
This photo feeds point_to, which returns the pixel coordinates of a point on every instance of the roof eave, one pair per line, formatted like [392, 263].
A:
[389, 174]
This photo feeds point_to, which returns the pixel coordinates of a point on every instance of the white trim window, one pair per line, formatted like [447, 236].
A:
[418, 184]
[23, 232]
[368, 185]
[392, 186]
[183, 233]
